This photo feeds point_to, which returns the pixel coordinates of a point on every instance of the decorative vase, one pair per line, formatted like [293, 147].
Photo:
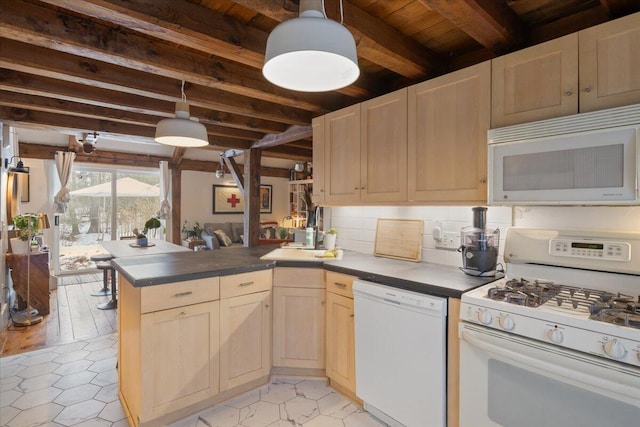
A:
[19, 246]
[330, 241]
[142, 241]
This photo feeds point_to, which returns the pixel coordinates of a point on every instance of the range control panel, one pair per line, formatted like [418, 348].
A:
[590, 249]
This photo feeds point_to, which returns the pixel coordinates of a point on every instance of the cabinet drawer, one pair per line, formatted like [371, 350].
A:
[162, 297]
[245, 283]
[341, 284]
[299, 277]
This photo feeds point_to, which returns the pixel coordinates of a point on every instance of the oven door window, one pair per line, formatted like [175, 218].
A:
[519, 397]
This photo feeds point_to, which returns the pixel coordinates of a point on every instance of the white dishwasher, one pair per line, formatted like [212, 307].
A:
[400, 354]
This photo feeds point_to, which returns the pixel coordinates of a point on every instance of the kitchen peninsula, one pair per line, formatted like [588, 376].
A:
[196, 327]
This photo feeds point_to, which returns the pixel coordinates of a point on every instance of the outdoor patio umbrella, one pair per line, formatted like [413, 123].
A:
[125, 187]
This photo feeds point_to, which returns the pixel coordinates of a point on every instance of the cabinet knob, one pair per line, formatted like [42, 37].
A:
[266, 306]
[568, 93]
[483, 181]
[321, 190]
[587, 89]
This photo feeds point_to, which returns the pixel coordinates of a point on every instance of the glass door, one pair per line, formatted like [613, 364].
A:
[105, 205]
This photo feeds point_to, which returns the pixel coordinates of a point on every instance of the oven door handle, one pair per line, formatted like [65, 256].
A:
[621, 391]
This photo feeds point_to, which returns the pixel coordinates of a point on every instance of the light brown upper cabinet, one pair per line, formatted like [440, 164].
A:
[593, 69]
[363, 152]
[383, 150]
[610, 64]
[536, 83]
[448, 123]
[341, 156]
[317, 125]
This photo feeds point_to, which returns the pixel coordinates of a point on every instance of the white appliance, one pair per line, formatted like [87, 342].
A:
[400, 354]
[557, 341]
[590, 158]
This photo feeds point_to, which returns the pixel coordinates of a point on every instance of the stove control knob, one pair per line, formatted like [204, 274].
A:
[485, 317]
[614, 349]
[507, 323]
[555, 336]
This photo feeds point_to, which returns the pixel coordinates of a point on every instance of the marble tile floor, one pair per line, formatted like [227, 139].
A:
[75, 384]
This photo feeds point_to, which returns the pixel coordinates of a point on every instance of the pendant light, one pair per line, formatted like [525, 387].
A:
[311, 53]
[183, 130]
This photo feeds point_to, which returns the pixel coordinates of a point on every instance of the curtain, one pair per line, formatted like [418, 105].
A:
[165, 207]
[64, 163]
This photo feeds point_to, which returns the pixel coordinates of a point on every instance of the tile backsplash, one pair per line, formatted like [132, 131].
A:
[356, 226]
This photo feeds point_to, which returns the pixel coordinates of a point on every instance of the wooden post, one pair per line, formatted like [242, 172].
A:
[176, 220]
[252, 197]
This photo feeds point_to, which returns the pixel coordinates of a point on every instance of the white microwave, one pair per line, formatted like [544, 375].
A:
[585, 159]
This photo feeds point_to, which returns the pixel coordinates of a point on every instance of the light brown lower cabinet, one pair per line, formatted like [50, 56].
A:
[340, 338]
[185, 346]
[168, 341]
[180, 354]
[245, 339]
[453, 363]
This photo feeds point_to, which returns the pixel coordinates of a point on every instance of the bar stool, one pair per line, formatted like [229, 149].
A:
[105, 289]
[107, 268]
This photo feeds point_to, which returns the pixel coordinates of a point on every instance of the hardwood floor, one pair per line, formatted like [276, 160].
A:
[73, 316]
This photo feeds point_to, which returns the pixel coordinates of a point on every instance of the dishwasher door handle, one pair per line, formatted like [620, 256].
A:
[392, 301]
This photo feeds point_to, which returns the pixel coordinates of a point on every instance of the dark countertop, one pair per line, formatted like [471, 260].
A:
[421, 277]
[146, 270]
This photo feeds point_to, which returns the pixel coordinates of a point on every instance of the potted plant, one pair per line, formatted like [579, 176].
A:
[330, 239]
[152, 223]
[27, 226]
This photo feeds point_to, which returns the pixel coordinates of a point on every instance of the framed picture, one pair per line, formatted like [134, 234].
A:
[265, 199]
[23, 184]
[227, 199]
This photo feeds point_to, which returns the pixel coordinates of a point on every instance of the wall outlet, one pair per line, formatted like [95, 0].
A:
[448, 240]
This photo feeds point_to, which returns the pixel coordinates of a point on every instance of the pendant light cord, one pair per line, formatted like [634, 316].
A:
[184, 97]
[324, 12]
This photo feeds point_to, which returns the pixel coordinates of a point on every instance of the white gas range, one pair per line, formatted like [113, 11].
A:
[563, 327]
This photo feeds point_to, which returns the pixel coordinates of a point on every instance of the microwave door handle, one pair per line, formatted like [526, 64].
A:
[621, 391]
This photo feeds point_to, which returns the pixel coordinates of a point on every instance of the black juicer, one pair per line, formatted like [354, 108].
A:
[479, 246]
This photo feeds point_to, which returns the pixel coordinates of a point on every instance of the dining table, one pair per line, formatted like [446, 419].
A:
[129, 247]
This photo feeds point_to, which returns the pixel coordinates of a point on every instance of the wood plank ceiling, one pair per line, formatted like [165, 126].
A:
[115, 66]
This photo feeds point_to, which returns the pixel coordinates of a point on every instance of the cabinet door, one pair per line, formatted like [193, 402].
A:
[179, 354]
[245, 339]
[341, 361]
[319, 164]
[298, 327]
[448, 123]
[536, 83]
[342, 156]
[383, 145]
[610, 64]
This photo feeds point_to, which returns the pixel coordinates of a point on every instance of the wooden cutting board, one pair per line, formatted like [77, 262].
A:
[399, 239]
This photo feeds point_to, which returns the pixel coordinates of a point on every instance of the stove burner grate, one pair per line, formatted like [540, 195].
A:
[600, 305]
[618, 316]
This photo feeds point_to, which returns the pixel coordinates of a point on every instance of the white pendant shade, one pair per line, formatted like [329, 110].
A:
[311, 54]
[182, 131]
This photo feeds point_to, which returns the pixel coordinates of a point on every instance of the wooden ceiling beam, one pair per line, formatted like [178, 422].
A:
[617, 8]
[376, 41]
[492, 23]
[30, 150]
[60, 106]
[73, 124]
[23, 82]
[83, 37]
[290, 153]
[194, 26]
[294, 133]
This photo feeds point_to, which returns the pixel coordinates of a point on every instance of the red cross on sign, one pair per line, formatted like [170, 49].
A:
[233, 200]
